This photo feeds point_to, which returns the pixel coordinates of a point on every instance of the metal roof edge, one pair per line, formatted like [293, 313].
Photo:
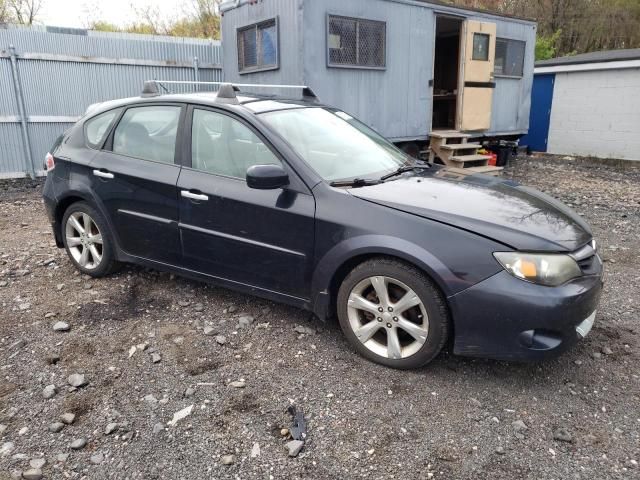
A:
[447, 7]
[85, 32]
[454, 8]
[601, 56]
[588, 67]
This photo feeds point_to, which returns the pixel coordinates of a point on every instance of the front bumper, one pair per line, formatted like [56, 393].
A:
[505, 318]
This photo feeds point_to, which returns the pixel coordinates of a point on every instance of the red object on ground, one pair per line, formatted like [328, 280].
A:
[494, 159]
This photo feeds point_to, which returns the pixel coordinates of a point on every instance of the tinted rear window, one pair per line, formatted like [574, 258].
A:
[148, 133]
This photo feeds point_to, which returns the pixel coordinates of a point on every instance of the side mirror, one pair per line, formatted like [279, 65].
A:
[267, 177]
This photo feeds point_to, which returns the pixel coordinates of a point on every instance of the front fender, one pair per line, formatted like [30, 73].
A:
[372, 244]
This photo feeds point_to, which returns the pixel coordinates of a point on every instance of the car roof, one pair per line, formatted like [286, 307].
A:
[253, 103]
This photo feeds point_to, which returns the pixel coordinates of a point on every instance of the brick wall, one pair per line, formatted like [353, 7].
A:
[596, 114]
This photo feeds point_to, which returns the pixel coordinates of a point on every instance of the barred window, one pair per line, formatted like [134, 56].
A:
[356, 42]
[509, 57]
[258, 46]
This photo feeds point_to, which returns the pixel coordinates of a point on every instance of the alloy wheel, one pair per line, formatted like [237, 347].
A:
[84, 240]
[387, 317]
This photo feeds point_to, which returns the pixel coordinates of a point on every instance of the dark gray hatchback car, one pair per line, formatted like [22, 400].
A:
[301, 203]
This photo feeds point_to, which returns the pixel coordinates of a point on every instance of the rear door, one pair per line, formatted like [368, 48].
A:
[261, 238]
[135, 176]
[476, 84]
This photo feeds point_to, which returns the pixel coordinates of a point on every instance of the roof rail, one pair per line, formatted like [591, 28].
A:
[226, 91]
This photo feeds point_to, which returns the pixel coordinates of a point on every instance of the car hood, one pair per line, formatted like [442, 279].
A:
[517, 216]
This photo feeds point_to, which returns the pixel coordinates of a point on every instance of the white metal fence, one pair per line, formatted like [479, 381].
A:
[48, 77]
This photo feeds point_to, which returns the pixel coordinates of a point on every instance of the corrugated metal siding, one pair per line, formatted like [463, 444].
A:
[94, 83]
[66, 88]
[8, 105]
[289, 14]
[111, 45]
[395, 101]
[12, 156]
[42, 136]
[512, 96]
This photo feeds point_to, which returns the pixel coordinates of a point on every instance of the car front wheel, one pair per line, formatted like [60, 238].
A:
[392, 313]
[87, 240]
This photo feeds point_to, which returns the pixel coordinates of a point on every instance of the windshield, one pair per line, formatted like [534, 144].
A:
[336, 145]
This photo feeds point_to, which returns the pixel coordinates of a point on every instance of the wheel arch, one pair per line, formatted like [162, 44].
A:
[61, 207]
[75, 196]
[344, 257]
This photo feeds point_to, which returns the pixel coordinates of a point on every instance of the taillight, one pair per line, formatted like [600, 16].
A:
[49, 163]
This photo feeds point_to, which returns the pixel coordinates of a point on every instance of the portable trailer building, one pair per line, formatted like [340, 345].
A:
[411, 69]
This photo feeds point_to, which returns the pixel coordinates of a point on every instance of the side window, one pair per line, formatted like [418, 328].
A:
[509, 57]
[258, 46]
[225, 146]
[148, 133]
[96, 129]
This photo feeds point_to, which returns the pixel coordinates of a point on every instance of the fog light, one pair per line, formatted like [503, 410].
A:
[540, 339]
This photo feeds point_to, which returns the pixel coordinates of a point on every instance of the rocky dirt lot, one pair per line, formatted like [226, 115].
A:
[93, 371]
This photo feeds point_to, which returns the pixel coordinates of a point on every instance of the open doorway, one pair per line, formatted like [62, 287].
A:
[446, 68]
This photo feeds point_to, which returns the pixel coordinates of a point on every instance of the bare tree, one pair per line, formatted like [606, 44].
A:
[5, 12]
[208, 17]
[149, 20]
[24, 12]
[199, 18]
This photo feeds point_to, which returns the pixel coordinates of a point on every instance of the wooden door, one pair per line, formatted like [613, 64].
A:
[476, 83]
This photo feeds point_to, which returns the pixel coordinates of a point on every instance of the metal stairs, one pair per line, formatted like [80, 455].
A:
[452, 148]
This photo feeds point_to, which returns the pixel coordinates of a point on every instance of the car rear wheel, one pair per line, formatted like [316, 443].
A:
[392, 313]
[87, 240]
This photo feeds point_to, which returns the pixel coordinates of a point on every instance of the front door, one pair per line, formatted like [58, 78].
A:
[260, 238]
[476, 84]
[135, 176]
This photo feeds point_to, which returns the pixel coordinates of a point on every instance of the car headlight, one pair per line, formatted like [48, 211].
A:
[544, 269]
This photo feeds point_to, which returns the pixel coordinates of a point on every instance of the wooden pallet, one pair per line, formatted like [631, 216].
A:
[453, 149]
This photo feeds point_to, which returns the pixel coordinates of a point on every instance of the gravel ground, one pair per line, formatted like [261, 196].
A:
[138, 338]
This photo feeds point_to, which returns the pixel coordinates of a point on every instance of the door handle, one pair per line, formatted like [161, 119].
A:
[101, 174]
[194, 196]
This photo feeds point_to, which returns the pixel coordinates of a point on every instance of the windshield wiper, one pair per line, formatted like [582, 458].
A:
[403, 169]
[363, 182]
[356, 182]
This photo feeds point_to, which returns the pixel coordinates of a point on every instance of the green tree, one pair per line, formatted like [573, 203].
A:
[102, 26]
[584, 25]
[546, 45]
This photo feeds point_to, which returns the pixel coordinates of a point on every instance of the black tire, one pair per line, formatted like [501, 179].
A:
[108, 263]
[422, 286]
